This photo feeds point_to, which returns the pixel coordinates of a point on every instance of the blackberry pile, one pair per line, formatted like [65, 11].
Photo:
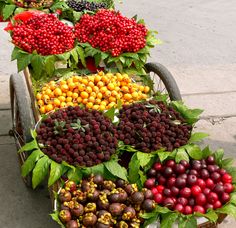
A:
[81, 137]
[151, 125]
[81, 6]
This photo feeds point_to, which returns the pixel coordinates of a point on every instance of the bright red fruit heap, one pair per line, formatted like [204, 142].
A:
[45, 34]
[111, 32]
[190, 187]
[78, 136]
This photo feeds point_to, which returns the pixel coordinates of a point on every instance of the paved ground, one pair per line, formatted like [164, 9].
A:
[199, 46]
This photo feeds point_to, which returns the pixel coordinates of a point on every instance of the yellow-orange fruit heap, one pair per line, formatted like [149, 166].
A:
[99, 91]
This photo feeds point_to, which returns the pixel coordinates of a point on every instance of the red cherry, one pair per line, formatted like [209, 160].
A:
[174, 191]
[182, 200]
[196, 190]
[188, 210]
[179, 207]
[157, 166]
[201, 199]
[226, 178]
[170, 163]
[199, 209]
[185, 192]
[208, 206]
[154, 190]
[150, 183]
[206, 191]
[171, 182]
[158, 198]
[225, 197]
[212, 197]
[169, 202]
[209, 183]
[228, 187]
[217, 204]
[160, 188]
[201, 183]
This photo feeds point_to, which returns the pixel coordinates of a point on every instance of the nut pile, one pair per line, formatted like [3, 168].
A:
[190, 187]
[111, 32]
[78, 136]
[100, 92]
[101, 203]
[151, 125]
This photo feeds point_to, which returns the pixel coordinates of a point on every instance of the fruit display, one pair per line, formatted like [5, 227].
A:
[33, 3]
[80, 137]
[44, 34]
[152, 125]
[99, 91]
[81, 6]
[190, 187]
[97, 202]
[111, 32]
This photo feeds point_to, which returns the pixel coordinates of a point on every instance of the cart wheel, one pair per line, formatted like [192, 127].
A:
[163, 80]
[22, 117]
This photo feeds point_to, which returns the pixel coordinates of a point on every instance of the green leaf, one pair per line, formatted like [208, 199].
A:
[55, 217]
[197, 137]
[115, 169]
[29, 146]
[228, 162]
[181, 155]
[55, 173]
[211, 215]
[29, 164]
[134, 167]
[75, 55]
[163, 155]
[68, 165]
[40, 170]
[80, 52]
[110, 113]
[98, 169]
[76, 175]
[131, 55]
[77, 15]
[190, 223]
[15, 53]
[162, 210]
[206, 152]
[194, 151]
[168, 220]
[219, 156]
[228, 209]
[23, 60]
[233, 198]
[37, 64]
[97, 58]
[50, 64]
[144, 158]
[8, 11]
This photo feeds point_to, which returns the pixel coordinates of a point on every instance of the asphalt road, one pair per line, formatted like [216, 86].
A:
[199, 48]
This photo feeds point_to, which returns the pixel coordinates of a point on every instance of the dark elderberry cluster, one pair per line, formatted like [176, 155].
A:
[81, 6]
[78, 136]
[152, 125]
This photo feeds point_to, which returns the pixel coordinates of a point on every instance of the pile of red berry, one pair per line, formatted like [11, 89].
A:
[111, 32]
[152, 125]
[78, 136]
[45, 34]
[190, 187]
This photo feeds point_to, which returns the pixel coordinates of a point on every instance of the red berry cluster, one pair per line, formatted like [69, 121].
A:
[45, 34]
[190, 187]
[111, 32]
[78, 136]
